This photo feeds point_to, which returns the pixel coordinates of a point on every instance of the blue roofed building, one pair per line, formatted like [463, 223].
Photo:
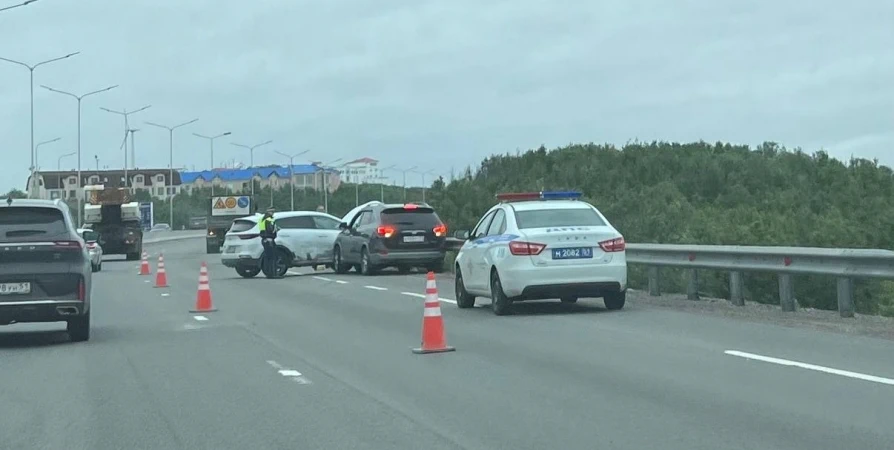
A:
[309, 176]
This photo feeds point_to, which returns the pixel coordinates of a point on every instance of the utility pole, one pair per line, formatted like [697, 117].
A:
[170, 187]
[292, 175]
[211, 142]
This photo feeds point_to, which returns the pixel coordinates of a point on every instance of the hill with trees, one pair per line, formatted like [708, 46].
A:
[699, 193]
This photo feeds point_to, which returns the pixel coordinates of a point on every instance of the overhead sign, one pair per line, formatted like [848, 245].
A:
[231, 206]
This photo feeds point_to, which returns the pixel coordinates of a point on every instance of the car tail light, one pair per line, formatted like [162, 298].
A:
[248, 236]
[613, 245]
[82, 290]
[386, 231]
[67, 245]
[521, 248]
[440, 230]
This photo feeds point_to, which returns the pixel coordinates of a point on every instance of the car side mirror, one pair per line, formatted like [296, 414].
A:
[461, 234]
[342, 226]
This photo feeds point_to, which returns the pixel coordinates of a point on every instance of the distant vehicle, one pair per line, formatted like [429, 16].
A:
[161, 227]
[91, 238]
[305, 239]
[541, 245]
[117, 220]
[198, 223]
[391, 235]
[222, 211]
[45, 270]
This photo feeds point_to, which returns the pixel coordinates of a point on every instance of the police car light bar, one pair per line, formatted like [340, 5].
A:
[546, 195]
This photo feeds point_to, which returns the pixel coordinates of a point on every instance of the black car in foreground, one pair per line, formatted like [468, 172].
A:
[391, 235]
[45, 268]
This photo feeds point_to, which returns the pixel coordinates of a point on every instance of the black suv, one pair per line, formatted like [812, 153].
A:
[387, 235]
[45, 268]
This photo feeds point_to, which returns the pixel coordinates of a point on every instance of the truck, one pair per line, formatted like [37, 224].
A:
[222, 212]
[111, 213]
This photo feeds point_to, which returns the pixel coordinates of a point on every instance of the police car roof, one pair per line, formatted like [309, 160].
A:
[534, 205]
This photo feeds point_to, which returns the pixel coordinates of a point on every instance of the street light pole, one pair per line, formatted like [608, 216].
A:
[211, 141]
[37, 147]
[79, 98]
[59, 162]
[292, 174]
[423, 181]
[405, 180]
[127, 113]
[31, 71]
[28, 2]
[171, 155]
[251, 163]
[383, 178]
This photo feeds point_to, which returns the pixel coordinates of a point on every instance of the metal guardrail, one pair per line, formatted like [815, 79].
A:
[844, 264]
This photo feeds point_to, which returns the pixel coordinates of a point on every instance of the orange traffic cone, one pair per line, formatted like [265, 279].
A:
[161, 278]
[433, 337]
[203, 296]
[144, 264]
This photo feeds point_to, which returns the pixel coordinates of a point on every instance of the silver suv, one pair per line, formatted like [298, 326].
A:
[45, 268]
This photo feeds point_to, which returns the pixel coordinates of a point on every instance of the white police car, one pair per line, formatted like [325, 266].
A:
[541, 245]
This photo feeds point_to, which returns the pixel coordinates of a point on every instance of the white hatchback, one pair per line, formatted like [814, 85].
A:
[541, 245]
[305, 238]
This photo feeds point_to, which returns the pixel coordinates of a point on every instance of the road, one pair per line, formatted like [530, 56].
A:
[323, 361]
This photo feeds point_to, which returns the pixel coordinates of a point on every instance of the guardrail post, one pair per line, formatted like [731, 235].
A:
[654, 279]
[692, 289]
[846, 297]
[735, 289]
[786, 292]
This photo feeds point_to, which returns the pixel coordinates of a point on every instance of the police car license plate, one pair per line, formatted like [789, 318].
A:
[414, 238]
[15, 288]
[573, 253]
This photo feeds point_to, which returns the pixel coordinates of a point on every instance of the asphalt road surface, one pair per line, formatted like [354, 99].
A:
[323, 361]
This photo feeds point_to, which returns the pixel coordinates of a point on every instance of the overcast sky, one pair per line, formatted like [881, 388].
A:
[444, 83]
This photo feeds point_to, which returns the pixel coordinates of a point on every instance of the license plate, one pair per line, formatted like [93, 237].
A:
[573, 253]
[15, 288]
[232, 249]
[414, 238]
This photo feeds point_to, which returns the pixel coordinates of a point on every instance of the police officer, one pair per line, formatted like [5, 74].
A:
[267, 228]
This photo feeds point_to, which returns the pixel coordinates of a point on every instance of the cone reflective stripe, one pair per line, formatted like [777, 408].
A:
[144, 264]
[434, 340]
[161, 278]
[203, 296]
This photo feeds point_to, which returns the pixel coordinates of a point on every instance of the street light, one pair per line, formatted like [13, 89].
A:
[211, 141]
[382, 179]
[171, 150]
[31, 71]
[37, 147]
[133, 157]
[79, 98]
[16, 6]
[251, 162]
[405, 179]
[423, 181]
[326, 183]
[292, 174]
[59, 162]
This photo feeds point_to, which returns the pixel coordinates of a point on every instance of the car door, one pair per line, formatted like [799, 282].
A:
[327, 233]
[297, 234]
[472, 252]
[359, 232]
[489, 244]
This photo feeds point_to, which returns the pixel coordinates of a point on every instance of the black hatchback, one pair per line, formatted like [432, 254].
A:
[391, 235]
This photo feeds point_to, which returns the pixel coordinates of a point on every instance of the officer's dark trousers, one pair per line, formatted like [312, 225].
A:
[268, 259]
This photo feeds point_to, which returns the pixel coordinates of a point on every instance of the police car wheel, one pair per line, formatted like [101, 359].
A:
[463, 298]
[248, 272]
[499, 302]
[615, 300]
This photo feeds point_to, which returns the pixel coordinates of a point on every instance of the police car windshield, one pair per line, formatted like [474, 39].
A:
[558, 217]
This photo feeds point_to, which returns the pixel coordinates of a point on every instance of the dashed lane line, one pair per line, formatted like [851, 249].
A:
[322, 278]
[376, 288]
[800, 365]
[413, 294]
[200, 318]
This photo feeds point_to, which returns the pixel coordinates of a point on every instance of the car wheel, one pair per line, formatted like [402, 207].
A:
[282, 263]
[499, 302]
[366, 267]
[94, 267]
[463, 298]
[132, 256]
[248, 272]
[338, 264]
[569, 299]
[615, 300]
[79, 328]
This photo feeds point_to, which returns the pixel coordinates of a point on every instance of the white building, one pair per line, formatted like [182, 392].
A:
[361, 171]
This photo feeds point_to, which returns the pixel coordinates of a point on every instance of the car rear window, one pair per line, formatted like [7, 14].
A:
[29, 224]
[242, 225]
[417, 217]
[558, 217]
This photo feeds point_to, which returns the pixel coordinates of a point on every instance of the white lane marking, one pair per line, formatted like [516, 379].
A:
[376, 288]
[274, 364]
[413, 294]
[829, 370]
[200, 318]
[166, 294]
[291, 374]
[145, 281]
[323, 278]
[341, 281]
